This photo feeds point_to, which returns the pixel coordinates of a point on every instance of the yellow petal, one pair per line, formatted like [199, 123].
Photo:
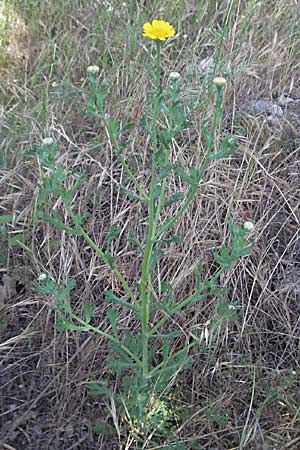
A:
[158, 29]
[156, 23]
[147, 27]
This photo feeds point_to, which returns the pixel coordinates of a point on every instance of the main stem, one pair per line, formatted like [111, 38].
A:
[152, 224]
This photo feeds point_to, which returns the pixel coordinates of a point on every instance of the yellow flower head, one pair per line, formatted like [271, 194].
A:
[158, 29]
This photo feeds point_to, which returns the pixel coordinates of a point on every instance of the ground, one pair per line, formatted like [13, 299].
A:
[242, 389]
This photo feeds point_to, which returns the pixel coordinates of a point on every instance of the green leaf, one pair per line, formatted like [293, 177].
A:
[164, 171]
[176, 239]
[62, 295]
[57, 221]
[46, 154]
[229, 143]
[113, 316]
[110, 297]
[63, 324]
[227, 311]
[100, 96]
[199, 271]
[224, 251]
[166, 137]
[17, 240]
[167, 296]
[208, 137]
[6, 218]
[48, 286]
[174, 198]
[88, 310]
[118, 365]
[134, 240]
[113, 232]
[113, 127]
[166, 349]
[104, 429]
[151, 73]
[126, 126]
[110, 260]
[178, 169]
[156, 254]
[227, 148]
[239, 247]
[68, 194]
[54, 244]
[129, 193]
[99, 389]
[192, 178]
[172, 335]
[161, 157]
[194, 174]
[156, 190]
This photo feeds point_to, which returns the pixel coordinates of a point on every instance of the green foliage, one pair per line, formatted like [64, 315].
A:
[110, 297]
[216, 417]
[16, 240]
[142, 405]
[46, 153]
[6, 218]
[227, 148]
[239, 247]
[49, 286]
[3, 246]
[99, 390]
[104, 429]
[227, 311]
[147, 358]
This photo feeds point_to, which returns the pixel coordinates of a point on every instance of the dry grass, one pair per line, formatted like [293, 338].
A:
[242, 391]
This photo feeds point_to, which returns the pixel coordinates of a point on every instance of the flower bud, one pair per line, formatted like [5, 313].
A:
[93, 70]
[42, 277]
[174, 76]
[48, 141]
[249, 226]
[219, 82]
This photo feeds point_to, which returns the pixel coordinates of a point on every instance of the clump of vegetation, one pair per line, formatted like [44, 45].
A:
[134, 169]
[149, 356]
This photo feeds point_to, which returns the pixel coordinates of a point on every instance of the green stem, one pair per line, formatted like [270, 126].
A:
[188, 300]
[104, 257]
[114, 269]
[222, 37]
[108, 336]
[163, 363]
[145, 276]
[164, 181]
[192, 298]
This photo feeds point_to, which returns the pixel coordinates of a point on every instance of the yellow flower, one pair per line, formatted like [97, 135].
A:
[159, 29]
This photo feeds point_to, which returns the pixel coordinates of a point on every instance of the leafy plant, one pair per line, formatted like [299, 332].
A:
[146, 359]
